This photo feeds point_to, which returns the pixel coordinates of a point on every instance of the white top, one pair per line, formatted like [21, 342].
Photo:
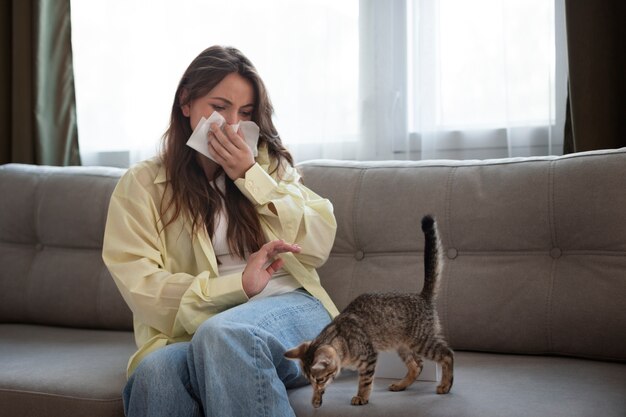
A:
[281, 282]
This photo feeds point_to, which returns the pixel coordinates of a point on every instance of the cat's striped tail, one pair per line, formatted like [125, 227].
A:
[432, 258]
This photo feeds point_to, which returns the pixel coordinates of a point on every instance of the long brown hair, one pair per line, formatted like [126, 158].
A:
[191, 193]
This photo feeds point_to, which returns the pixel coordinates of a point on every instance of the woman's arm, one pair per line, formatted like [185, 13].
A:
[137, 257]
[290, 210]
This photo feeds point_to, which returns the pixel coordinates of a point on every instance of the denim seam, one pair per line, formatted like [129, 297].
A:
[261, 399]
[288, 312]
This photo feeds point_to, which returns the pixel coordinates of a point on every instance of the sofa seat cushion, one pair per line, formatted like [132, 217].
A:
[488, 385]
[61, 371]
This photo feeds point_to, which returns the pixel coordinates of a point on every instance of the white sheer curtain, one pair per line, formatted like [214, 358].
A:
[366, 79]
[489, 80]
[130, 54]
[462, 79]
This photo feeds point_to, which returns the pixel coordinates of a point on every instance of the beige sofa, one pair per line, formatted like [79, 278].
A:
[532, 299]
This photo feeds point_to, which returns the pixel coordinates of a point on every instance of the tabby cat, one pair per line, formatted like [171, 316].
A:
[375, 322]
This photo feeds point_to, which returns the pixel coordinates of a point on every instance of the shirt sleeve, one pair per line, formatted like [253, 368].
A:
[135, 256]
[291, 211]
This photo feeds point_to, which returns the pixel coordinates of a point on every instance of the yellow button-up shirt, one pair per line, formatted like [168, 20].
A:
[169, 278]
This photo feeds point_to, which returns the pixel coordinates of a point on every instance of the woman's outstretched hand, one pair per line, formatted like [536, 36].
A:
[257, 273]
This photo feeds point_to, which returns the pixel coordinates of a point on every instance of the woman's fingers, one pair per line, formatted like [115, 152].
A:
[257, 272]
[275, 266]
[269, 251]
[227, 138]
[275, 247]
[220, 143]
[230, 151]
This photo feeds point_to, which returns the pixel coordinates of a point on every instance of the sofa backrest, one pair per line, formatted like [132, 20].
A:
[51, 227]
[535, 249]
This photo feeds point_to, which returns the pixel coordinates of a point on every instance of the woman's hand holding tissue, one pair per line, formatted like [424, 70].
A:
[230, 150]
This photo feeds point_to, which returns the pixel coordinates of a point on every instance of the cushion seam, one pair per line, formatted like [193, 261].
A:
[48, 394]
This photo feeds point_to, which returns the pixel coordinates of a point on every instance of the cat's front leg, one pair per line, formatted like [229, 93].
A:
[363, 395]
[317, 397]
[366, 379]
[365, 388]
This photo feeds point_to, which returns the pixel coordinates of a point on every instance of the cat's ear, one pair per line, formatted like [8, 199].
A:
[297, 352]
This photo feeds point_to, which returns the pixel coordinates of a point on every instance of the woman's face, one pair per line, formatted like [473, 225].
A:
[233, 98]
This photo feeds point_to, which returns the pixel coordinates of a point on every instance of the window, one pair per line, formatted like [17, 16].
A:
[349, 79]
[129, 56]
[483, 74]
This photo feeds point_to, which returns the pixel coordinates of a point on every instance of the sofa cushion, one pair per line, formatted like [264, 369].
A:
[56, 371]
[535, 248]
[51, 232]
[487, 385]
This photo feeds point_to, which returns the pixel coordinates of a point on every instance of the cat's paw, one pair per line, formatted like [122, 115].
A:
[316, 401]
[356, 400]
[397, 387]
[446, 384]
[444, 388]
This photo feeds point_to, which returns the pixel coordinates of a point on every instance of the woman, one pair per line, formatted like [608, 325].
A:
[193, 244]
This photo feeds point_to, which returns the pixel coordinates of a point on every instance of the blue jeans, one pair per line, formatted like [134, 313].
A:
[234, 364]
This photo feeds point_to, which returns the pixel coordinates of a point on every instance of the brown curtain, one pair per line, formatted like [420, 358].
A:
[596, 45]
[37, 100]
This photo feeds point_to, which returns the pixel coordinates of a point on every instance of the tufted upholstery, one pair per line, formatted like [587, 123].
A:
[535, 247]
[51, 248]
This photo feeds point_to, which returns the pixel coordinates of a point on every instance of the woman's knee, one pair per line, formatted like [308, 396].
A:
[220, 332]
[281, 321]
[165, 364]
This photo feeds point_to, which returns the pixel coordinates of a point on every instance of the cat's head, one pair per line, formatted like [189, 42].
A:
[320, 364]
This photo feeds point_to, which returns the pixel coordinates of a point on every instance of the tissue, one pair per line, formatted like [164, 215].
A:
[199, 139]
